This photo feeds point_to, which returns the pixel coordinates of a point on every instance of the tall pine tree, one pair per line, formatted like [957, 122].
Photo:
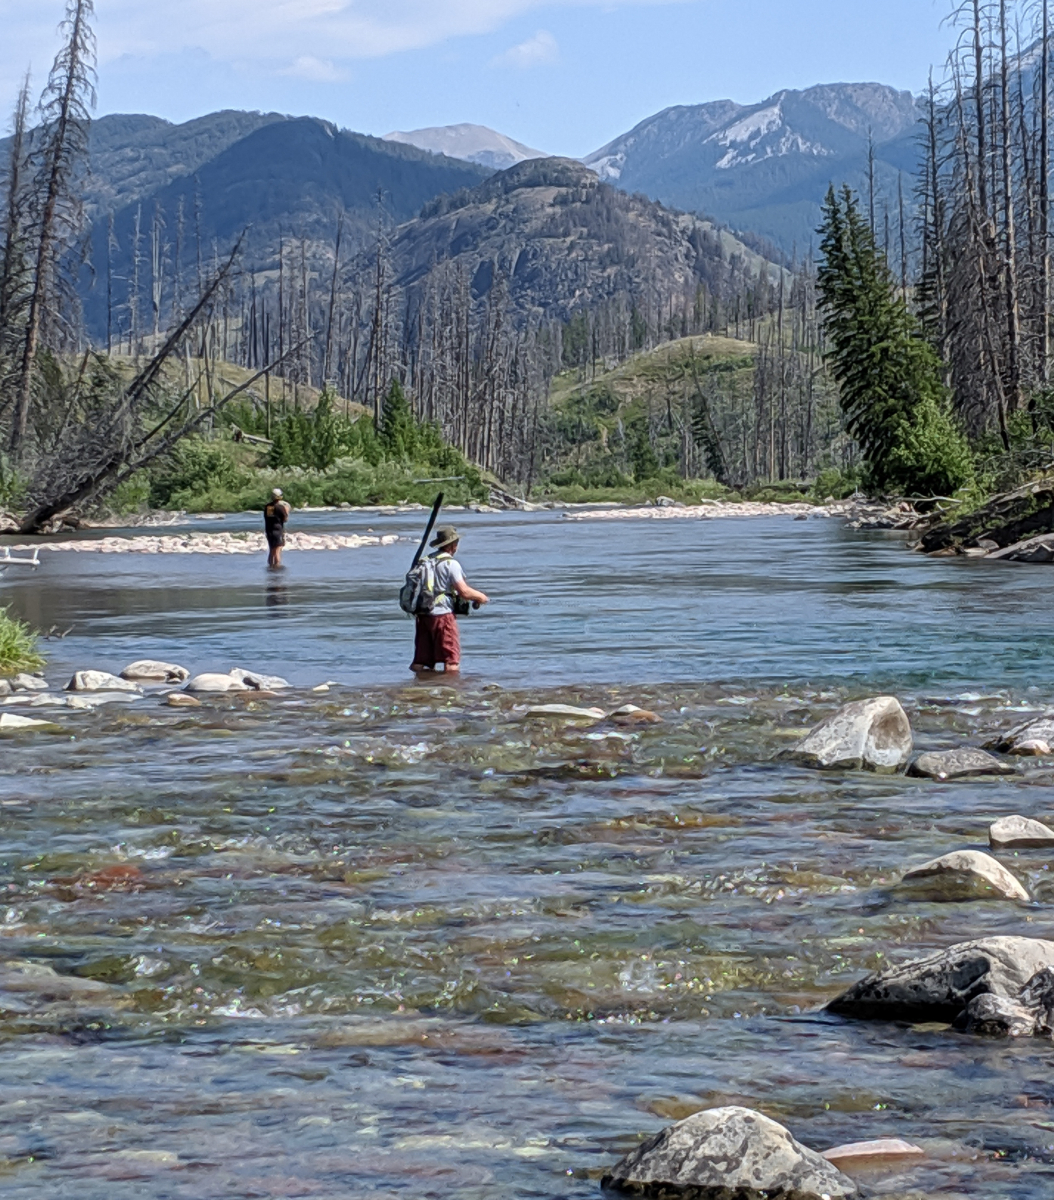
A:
[888, 374]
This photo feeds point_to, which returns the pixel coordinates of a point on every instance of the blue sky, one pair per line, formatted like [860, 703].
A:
[563, 77]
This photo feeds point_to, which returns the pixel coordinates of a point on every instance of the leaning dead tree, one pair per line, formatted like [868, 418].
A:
[110, 429]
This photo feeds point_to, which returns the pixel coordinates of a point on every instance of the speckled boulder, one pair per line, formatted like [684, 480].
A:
[940, 986]
[872, 734]
[959, 764]
[728, 1152]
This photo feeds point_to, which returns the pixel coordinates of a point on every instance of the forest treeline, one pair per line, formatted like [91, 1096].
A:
[914, 360]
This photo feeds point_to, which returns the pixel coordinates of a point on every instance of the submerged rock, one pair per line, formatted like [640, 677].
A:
[1023, 832]
[630, 714]
[965, 875]
[872, 734]
[724, 1153]
[215, 682]
[880, 1152]
[13, 723]
[1031, 1012]
[958, 764]
[1035, 729]
[149, 670]
[100, 681]
[1031, 748]
[19, 975]
[92, 700]
[566, 710]
[181, 700]
[265, 683]
[940, 986]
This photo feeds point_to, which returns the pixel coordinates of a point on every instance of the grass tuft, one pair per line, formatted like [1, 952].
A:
[18, 646]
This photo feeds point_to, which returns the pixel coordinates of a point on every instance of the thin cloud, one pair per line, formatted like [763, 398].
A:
[534, 52]
[315, 70]
[270, 34]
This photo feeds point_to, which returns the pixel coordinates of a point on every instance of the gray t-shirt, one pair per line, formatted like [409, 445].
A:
[449, 573]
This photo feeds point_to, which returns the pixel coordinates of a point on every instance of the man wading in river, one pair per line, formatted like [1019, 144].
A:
[437, 638]
[275, 516]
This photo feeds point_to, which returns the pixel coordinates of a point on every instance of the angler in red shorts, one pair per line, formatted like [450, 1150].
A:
[437, 639]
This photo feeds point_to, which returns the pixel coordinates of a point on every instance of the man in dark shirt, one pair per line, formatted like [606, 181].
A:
[275, 516]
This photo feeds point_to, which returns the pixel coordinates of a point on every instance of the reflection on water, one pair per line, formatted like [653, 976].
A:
[277, 593]
[402, 940]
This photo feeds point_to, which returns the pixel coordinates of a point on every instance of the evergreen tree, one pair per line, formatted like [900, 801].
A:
[888, 374]
[398, 429]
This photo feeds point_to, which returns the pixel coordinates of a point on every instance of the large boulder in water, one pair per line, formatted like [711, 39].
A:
[872, 734]
[964, 875]
[728, 1152]
[941, 986]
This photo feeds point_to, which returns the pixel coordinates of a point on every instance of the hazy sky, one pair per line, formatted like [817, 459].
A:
[564, 76]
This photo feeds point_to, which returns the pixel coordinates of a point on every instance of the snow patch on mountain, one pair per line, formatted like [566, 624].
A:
[473, 143]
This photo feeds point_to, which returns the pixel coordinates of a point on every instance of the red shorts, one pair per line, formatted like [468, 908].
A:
[437, 641]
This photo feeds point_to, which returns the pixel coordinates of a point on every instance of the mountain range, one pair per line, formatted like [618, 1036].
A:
[761, 169]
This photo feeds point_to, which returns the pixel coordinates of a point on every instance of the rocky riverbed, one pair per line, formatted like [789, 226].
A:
[481, 940]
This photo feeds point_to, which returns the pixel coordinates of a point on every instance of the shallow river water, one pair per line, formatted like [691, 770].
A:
[402, 940]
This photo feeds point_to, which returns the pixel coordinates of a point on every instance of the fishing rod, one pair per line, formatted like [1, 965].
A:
[428, 530]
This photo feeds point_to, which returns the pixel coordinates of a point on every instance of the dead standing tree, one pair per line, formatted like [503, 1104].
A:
[66, 112]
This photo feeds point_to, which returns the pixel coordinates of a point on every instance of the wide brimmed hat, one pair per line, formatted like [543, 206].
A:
[276, 492]
[446, 535]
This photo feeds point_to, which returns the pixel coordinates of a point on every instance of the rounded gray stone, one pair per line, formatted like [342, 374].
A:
[728, 1152]
[1020, 832]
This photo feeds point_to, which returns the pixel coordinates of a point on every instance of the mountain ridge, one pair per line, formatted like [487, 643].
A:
[764, 167]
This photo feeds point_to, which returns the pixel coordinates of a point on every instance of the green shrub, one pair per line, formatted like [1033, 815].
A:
[838, 482]
[18, 646]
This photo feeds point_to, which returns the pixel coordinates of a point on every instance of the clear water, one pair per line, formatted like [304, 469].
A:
[399, 940]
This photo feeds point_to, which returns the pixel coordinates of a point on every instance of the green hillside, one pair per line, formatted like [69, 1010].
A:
[653, 425]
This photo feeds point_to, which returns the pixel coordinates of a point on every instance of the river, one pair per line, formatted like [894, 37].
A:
[402, 940]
